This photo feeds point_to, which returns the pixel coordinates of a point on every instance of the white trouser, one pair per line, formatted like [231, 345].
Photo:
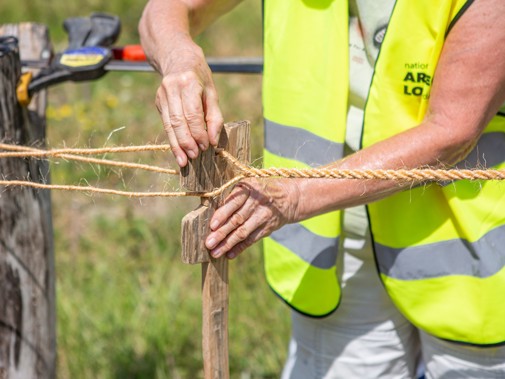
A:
[366, 337]
[448, 360]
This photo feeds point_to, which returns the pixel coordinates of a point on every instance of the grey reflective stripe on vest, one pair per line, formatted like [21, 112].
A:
[489, 152]
[319, 251]
[479, 259]
[301, 145]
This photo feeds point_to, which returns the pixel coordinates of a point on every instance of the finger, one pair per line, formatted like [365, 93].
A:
[178, 123]
[234, 221]
[213, 115]
[193, 113]
[162, 106]
[243, 234]
[254, 237]
[232, 203]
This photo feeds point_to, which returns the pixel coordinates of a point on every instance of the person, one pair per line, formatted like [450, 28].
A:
[380, 274]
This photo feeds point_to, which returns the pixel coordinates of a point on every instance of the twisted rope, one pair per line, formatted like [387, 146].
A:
[243, 171]
[334, 173]
[93, 151]
[92, 189]
[27, 152]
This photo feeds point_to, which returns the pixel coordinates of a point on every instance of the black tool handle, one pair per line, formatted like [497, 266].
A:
[78, 30]
[105, 29]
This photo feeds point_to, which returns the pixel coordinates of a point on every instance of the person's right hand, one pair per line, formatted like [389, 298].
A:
[188, 103]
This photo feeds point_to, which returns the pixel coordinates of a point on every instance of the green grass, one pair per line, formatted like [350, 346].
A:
[127, 306]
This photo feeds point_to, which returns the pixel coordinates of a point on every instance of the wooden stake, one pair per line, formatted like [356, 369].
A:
[206, 173]
[27, 280]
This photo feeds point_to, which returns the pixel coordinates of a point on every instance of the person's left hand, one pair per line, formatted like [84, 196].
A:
[254, 209]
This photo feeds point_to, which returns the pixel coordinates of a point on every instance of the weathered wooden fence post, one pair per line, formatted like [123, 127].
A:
[208, 172]
[27, 280]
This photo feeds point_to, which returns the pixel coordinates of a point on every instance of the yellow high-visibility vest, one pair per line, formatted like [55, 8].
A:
[440, 250]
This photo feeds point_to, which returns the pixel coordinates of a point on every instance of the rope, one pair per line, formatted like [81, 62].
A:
[334, 173]
[94, 151]
[92, 189]
[243, 171]
[27, 152]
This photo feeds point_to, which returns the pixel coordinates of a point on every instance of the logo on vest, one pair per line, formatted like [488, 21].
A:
[378, 36]
[416, 80]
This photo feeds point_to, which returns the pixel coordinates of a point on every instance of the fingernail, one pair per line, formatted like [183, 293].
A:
[214, 224]
[180, 161]
[192, 154]
[211, 242]
[202, 147]
[231, 255]
[216, 253]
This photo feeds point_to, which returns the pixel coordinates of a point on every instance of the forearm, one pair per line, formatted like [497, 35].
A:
[428, 145]
[167, 26]
[164, 23]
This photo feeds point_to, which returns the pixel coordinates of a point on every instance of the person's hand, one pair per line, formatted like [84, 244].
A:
[188, 103]
[254, 209]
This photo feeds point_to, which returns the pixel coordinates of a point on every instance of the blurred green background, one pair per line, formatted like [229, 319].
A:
[127, 306]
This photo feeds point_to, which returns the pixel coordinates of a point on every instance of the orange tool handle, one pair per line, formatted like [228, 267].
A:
[129, 53]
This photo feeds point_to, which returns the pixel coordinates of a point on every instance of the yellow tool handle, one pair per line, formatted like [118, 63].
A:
[22, 89]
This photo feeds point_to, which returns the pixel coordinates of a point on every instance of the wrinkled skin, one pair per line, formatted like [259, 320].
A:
[186, 100]
[254, 209]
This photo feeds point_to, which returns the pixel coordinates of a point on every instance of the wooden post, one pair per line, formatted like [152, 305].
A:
[206, 173]
[27, 293]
